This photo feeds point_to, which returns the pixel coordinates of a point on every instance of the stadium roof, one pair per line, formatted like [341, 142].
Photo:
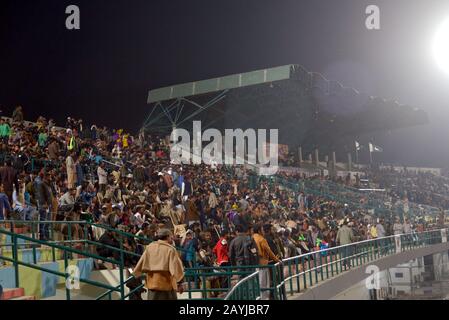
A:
[222, 83]
[311, 110]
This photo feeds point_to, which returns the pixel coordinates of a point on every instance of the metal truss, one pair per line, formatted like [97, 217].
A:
[166, 115]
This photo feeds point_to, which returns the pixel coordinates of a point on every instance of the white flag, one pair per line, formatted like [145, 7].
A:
[374, 148]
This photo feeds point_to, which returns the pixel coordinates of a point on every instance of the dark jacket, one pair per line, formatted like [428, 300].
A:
[139, 174]
[42, 193]
[53, 150]
[240, 251]
[8, 177]
[273, 245]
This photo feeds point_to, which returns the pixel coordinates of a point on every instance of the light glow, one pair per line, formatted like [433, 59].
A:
[441, 46]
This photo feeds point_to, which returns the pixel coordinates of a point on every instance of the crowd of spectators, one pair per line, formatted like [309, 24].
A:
[219, 215]
[419, 187]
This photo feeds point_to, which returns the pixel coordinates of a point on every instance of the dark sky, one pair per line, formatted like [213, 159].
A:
[103, 72]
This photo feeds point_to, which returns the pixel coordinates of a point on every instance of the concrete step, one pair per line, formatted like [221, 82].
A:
[24, 298]
[41, 284]
[9, 294]
[43, 254]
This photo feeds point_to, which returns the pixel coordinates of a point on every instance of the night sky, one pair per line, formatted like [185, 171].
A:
[102, 73]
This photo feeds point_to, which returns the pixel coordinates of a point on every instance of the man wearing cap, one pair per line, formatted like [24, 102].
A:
[163, 268]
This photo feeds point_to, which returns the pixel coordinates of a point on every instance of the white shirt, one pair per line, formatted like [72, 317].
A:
[15, 199]
[102, 176]
[139, 220]
[66, 199]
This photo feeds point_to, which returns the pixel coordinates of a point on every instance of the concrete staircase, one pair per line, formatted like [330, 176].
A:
[36, 284]
[16, 294]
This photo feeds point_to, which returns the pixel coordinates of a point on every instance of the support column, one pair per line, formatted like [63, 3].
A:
[349, 162]
[300, 155]
[334, 160]
[317, 158]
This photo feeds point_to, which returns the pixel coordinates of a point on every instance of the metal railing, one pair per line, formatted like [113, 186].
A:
[86, 245]
[304, 271]
[67, 253]
[294, 275]
[247, 289]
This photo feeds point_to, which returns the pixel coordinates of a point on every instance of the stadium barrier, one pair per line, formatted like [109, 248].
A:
[304, 271]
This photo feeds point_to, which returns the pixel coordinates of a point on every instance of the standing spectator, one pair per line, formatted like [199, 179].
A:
[17, 115]
[381, 233]
[398, 227]
[43, 197]
[5, 131]
[102, 177]
[42, 138]
[53, 150]
[345, 237]
[373, 232]
[192, 215]
[9, 179]
[187, 188]
[79, 171]
[213, 203]
[71, 170]
[139, 176]
[380, 229]
[441, 218]
[221, 250]
[407, 226]
[163, 268]
[265, 256]
[5, 207]
[243, 249]
[270, 236]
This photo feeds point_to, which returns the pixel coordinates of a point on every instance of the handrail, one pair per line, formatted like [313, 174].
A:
[66, 250]
[361, 242]
[236, 287]
[56, 246]
[101, 226]
[378, 244]
[117, 288]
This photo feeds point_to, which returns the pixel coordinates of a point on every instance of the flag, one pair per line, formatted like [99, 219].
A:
[374, 148]
[358, 147]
